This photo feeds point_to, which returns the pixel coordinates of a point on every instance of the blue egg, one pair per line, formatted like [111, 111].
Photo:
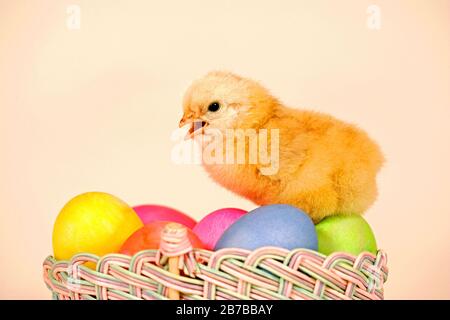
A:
[278, 225]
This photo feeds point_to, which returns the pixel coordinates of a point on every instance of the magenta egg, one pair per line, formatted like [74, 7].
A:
[210, 228]
[150, 213]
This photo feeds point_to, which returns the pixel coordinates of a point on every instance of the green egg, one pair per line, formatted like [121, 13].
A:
[345, 233]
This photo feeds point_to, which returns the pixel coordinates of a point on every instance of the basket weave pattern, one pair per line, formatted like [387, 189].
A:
[178, 271]
[227, 274]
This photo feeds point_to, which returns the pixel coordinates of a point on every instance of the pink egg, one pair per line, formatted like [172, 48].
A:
[211, 227]
[150, 213]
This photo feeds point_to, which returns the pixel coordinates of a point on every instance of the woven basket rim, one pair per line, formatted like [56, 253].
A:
[339, 275]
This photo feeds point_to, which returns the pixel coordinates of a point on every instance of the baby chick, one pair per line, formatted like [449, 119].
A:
[326, 166]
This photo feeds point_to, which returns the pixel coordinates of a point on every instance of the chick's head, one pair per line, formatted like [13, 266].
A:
[223, 100]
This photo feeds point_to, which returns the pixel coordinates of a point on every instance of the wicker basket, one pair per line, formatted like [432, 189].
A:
[176, 271]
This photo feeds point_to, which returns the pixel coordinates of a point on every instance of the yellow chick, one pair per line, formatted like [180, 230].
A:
[323, 165]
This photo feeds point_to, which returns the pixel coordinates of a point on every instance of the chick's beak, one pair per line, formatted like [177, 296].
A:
[183, 122]
[197, 126]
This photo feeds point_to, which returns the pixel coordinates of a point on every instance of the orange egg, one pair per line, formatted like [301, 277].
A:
[149, 237]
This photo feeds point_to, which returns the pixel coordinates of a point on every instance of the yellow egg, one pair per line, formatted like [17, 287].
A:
[93, 222]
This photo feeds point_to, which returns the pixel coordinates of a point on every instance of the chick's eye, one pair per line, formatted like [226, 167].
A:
[214, 106]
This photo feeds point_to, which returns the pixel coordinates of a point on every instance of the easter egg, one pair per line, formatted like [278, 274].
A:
[276, 225]
[211, 227]
[345, 233]
[149, 213]
[149, 237]
[93, 222]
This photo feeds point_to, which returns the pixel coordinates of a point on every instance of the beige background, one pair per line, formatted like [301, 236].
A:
[93, 109]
